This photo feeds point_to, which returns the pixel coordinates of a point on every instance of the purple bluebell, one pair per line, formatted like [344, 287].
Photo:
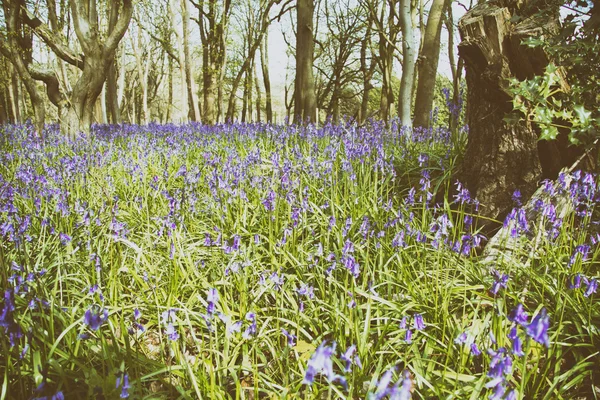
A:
[351, 265]
[403, 323]
[212, 299]
[349, 357]
[592, 286]
[408, 336]
[500, 367]
[171, 332]
[418, 322]
[291, 339]
[475, 350]
[252, 328]
[321, 362]
[125, 388]
[575, 281]
[460, 339]
[518, 315]
[382, 385]
[95, 317]
[538, 328]
[500, 281]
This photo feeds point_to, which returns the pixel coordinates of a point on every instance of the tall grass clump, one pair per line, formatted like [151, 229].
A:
[263, 261]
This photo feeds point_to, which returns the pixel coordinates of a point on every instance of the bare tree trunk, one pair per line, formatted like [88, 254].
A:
[429, 63]
[19, 52]
[112, 102]
[258, 95]
[501, 157]
[14, 97]
[305, 107]
[141, 74]
[194, 112]
[408, 12]
[367, 73]
[264, 61]
[170, 94]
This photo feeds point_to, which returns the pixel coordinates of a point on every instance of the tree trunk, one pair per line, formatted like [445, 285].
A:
[367, 71]
[112, 103]
[409, 59]
[264, 62]
[429, 63]
[13, 92]
[305, 98]
[501, 157]
[194, 112]
[258, 95]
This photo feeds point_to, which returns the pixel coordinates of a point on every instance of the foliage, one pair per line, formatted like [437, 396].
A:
[545, 100]
[280, 261]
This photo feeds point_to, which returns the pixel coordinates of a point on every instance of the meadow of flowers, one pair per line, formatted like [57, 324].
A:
[260, 261]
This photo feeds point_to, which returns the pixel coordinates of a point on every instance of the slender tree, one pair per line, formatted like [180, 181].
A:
[408, 15]
[305, 101]
[429, 63]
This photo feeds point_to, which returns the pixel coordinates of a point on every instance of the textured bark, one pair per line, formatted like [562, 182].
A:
[193, 111]
[428, 63]
[408, 11]
[305, 98]
[18, 50]
[99, 55]
[500, 158]
[264, 61]
[367, 70]
[213, 24]
[111, 99]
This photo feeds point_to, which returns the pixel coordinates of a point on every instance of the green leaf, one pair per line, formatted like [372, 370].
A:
[583, 115]
[549, 132]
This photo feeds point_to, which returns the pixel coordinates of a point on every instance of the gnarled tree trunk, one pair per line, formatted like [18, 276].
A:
[500, 158]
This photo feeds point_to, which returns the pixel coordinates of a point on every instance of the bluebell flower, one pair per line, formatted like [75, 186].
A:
[408, 336]
[171, 332]
[252, 328]
[403, 323]
[575, 282]
[500, 367]
[349, 357]
[351, 265]
[538, 328]
[592, 286]
[382, 385]
[291, 339]
[95, 317]
[306, 290]
[126, 386]
[475, 350]
[518, 316]
[462, 338]
[418, 322]
[212, 298]
[500, 281]
[320, 362]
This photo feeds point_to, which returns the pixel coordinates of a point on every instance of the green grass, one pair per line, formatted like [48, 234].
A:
[135, 176]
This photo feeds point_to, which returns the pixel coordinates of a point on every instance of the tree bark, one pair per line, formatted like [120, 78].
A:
[194, 112]
[500, 157]
[19, 51]
[111, 99]
[428, 63]
[213, 34]
[408, 12]
[264, 62]
[305, 98]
